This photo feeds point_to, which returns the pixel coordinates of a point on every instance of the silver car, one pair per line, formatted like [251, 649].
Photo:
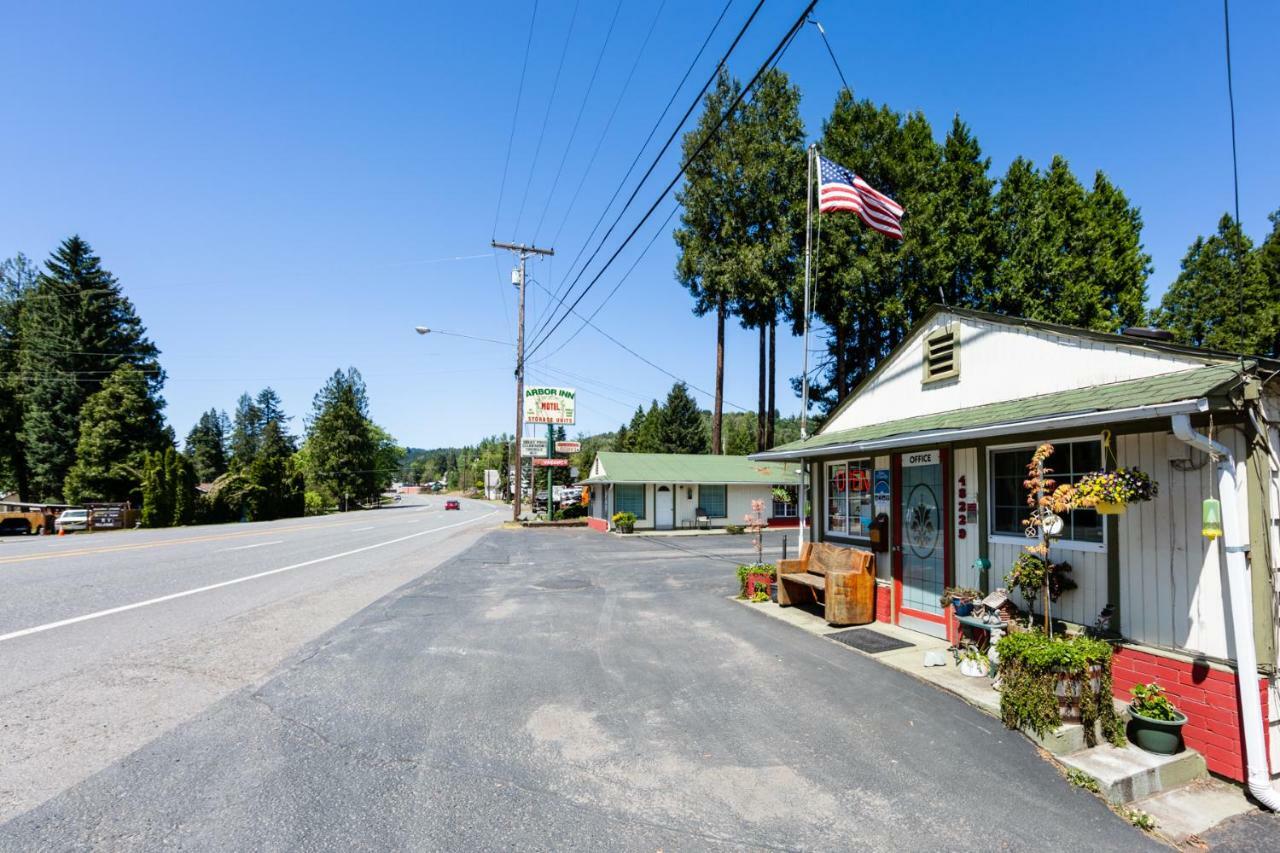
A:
[72, 519]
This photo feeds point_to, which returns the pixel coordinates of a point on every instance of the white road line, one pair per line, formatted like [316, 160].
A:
[62, 623]
[246, 547]
[362, 529]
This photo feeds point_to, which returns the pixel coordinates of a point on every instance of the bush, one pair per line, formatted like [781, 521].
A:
[746, 570]
[624, 520]
[734, 529]
[315, 503]
[575, 511]
[1032, 664]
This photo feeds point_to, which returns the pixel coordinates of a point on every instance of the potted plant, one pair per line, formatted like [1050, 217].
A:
[625, 522]
[1109, 492]
[960, 599]
[1156, 725]
[756, 580]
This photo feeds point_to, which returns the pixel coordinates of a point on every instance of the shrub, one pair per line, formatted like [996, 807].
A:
[315, 503]
[734, 529]
[1031, 665]
[575, 511]
[625, 520]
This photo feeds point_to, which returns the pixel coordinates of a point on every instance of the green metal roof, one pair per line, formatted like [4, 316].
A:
[688, 468]
[1191, 384]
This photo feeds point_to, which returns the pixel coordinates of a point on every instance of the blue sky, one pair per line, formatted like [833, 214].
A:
[276, 184]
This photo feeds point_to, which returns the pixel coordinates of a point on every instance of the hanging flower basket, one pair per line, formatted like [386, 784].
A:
[1110, 492]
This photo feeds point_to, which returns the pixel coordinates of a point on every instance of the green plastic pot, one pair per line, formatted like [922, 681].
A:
[1163, 737]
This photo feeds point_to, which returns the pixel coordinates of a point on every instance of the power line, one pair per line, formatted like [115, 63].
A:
[777, 51]
[609, 123]
[832, 54]
[1231, 101]
[546, 116]
[573, 134]
[656, 160]
[524, 66]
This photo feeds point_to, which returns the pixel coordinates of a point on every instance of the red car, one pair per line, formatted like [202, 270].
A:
[452, 504]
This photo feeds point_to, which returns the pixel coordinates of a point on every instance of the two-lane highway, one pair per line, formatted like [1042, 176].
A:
[109, 639]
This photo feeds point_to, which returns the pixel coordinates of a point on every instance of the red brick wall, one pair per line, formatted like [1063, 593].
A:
[601, 524]
[884, 603]
[1207, 696]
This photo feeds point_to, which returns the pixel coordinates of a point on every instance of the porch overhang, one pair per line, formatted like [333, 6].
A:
[816, 447]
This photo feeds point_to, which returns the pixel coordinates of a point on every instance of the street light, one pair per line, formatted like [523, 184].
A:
[426, 330]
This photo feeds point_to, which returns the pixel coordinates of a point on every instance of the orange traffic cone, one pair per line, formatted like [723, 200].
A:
[61, 532]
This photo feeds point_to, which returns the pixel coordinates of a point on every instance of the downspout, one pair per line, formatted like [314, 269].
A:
[1235, 541]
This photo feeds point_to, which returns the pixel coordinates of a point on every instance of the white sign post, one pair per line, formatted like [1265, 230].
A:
[530, 446]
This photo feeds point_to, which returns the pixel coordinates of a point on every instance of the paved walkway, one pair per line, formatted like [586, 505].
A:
[567, 690]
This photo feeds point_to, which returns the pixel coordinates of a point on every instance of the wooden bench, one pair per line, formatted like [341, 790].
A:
[842, 580]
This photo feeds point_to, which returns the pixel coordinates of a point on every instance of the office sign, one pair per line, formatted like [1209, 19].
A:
[543, 462]
[921, 457]
[568, 446]
[543, 405]
[533, 446]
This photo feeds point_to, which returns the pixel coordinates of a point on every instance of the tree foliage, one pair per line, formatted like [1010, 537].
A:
[342, 449]
[206, 446]
[119, 424]
[1227, 296]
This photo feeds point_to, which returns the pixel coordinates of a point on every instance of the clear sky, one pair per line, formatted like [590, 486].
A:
[275, 184]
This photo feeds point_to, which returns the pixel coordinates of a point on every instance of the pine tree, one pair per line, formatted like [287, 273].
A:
[18, 278]
[679, 428]
[206, 446]
[340, 444]
[246, 432]
[119, 424]
[646, 431]
[965, 221]
[279, 488]
[80, 330]
[1221, 299]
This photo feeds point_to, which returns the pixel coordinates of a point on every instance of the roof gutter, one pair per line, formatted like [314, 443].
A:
[1110, 416]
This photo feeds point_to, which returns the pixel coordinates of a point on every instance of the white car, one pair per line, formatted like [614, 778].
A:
[72, 519]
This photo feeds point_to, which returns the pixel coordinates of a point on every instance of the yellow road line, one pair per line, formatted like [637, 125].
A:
[111, 549]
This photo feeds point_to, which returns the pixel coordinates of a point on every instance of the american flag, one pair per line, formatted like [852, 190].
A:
[840, 189]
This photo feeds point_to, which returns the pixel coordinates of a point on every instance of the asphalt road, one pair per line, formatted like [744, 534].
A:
[562, 690]
[109, 639]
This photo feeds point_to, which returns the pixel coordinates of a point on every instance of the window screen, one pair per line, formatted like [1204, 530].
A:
[1070, 461]
[629, 498]
[715, 500]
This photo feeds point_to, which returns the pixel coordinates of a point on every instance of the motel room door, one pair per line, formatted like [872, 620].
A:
[920, 552]
[664, 509]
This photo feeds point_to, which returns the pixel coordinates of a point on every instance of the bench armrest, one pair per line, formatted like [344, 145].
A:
[792, 567]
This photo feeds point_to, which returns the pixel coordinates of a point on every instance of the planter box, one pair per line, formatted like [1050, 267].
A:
[760, 581]
[1067, 689]
[1163, 737]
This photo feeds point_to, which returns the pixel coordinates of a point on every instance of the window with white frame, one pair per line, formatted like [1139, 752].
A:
[1007, 497]
[849, 505]
[785, 509]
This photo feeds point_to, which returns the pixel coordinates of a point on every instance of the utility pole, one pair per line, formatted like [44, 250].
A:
[525, 252]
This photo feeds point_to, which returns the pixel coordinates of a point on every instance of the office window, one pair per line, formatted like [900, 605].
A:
[629, 497]
[849, 498]
[1071, 460]
[715, 500]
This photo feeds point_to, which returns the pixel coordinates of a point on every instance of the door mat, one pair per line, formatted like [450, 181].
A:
[872, 642]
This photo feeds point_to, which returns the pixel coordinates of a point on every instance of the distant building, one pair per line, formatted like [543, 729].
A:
[667, 490]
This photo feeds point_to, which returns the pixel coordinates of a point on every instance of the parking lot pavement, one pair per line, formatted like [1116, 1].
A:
[562, 690]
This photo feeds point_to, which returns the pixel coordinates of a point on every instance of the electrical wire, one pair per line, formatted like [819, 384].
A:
[777, 51]
[832, 54]
[657, 159]
[603, 213]
[515, 116]
[573, 133]
[546, 116]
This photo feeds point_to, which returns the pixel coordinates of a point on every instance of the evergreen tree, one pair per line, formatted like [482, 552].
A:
[712, 223]
[279, 487]
[740, 437]
[119, 424]
[184, 491]
[246, 432]
[1222, 299]
[647, 433]
[83, 331]
[206, 446]
[341, 446]
[965, 220]
[171, 483]
[17, 279]
[679, 428]
[157, 511]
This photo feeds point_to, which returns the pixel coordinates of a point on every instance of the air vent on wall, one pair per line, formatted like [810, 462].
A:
[942, 354]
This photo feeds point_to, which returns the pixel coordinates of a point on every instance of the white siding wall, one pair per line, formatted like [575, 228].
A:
[990, 350]
[965, 551]
[1172, 585]
[1088, 569]
[740, 498]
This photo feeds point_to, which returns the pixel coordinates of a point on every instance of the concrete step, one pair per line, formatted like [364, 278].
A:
[1125, 774]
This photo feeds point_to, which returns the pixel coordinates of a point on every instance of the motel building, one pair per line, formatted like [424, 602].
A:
[924, 464]
[667, 491]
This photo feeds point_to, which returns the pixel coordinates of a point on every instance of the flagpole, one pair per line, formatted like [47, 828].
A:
[804, 377]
